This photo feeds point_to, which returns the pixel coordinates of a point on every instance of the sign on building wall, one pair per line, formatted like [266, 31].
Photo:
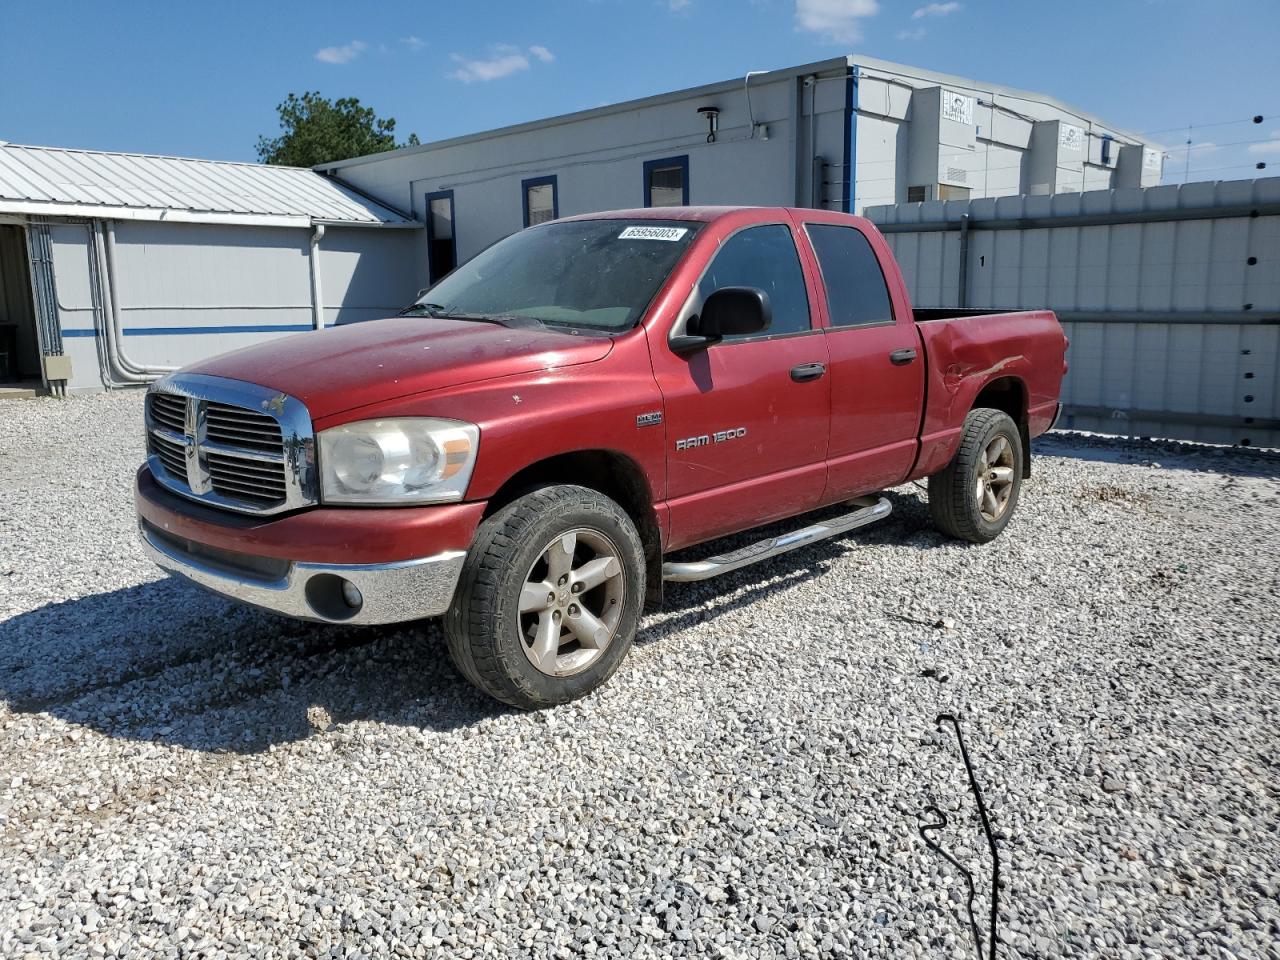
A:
[957, 107]
[1151, 161]
[1070, 137]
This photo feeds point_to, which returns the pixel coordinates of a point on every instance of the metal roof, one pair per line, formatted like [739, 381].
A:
[53, 181]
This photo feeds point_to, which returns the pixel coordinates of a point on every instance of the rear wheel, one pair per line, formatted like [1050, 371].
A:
[549, 599]
[975, 495]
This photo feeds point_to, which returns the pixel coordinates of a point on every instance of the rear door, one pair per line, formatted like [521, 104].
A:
[747, 440]
[876, 362]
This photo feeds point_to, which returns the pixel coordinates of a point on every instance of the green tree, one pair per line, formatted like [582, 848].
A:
[315, 130]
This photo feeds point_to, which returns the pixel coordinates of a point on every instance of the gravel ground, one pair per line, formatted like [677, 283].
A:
[184, 777]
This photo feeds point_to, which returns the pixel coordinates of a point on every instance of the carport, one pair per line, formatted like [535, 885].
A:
[117, 268]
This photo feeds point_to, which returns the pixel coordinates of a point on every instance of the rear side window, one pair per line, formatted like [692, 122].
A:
[856, 292]
[764, 257]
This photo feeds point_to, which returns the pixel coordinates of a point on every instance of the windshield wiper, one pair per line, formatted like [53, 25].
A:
[501, 319]
[430, 309]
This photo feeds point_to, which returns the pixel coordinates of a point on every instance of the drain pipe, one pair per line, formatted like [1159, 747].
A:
[126, 369]
[317, 295]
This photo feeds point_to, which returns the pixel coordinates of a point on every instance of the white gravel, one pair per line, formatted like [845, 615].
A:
[182, 777]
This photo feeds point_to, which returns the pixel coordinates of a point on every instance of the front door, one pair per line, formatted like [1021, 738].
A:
[747, 438]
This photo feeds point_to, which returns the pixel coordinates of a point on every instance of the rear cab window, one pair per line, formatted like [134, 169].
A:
[857, 295]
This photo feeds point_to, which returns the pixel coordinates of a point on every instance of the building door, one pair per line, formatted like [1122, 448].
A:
[442, 243]
[19, 343]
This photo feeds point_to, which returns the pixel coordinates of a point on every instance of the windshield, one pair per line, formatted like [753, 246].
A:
[597, 274]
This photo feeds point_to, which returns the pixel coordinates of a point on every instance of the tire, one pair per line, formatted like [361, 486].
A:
[961, 495]
[538, 657]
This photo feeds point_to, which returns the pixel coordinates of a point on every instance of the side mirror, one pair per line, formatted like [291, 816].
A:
[729, 312]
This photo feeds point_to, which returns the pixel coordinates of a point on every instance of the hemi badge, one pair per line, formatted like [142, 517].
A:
[649, 419]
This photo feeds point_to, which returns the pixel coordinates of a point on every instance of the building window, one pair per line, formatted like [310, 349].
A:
[917, 194]
[541, 200]
[947, 192]
[666, 182]
[856, 292]
[442, 245]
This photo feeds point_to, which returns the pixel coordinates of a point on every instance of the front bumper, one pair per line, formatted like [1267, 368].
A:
[388, 592]
[404, 562]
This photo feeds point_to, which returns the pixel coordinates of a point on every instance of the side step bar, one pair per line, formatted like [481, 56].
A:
[869, 512]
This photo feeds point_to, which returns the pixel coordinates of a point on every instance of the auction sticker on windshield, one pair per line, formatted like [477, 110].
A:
[653, 233]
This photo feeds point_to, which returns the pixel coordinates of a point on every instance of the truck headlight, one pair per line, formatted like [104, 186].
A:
[404, 460]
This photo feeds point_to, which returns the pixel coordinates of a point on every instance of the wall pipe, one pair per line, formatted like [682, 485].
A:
[317, 295]
[125, 368]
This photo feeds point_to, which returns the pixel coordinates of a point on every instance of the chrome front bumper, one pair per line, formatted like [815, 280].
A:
[390, 592]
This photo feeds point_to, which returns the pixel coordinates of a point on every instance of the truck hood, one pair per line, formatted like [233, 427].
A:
[341, 368]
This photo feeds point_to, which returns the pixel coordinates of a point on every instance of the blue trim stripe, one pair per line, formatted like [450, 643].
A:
[850, 179]
[182, 331]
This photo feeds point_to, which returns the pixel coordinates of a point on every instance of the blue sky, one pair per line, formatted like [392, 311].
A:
[203, 79]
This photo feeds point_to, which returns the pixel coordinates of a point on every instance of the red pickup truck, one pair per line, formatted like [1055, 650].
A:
[521, 448]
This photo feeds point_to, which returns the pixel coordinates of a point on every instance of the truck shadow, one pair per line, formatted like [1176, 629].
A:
[165, 662]
[1167, 454]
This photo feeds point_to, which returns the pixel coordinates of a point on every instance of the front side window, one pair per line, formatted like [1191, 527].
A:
[856, 292]
[598, 274]
[763, 257]
[666, 182]
[540, 201]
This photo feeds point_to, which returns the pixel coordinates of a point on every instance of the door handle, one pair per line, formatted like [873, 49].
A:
[807, 371]
[900, 357]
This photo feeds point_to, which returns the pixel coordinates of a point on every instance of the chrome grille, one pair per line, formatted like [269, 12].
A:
[251, 480]
[172, 453]
[169, 411]
[238, 427]
[230, 444]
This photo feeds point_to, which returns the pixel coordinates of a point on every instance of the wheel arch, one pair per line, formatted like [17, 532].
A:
[614, 474]
[1009, 394]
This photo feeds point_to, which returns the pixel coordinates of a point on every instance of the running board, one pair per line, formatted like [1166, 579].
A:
[772, 547]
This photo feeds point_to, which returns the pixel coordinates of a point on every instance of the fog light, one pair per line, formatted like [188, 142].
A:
[351, 594]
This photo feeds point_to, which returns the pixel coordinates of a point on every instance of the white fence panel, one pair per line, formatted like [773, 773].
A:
[1170, 295]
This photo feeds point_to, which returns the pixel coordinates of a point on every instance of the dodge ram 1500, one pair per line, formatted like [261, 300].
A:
[521, 448]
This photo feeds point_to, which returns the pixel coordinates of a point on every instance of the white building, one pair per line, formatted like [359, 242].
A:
[845, 134]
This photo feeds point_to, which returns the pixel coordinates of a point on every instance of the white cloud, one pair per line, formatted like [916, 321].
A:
[676, 6]
[343, 54]
[935, 10]
[837, 20]
[413, 43]
[916, 34]
[1267, 146]
[504, 60]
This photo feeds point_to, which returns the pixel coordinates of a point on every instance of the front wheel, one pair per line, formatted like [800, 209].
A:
[973, 497]
[549, 598]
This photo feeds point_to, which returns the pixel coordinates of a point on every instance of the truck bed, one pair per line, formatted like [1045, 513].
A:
[929, 314]
[967, 349]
